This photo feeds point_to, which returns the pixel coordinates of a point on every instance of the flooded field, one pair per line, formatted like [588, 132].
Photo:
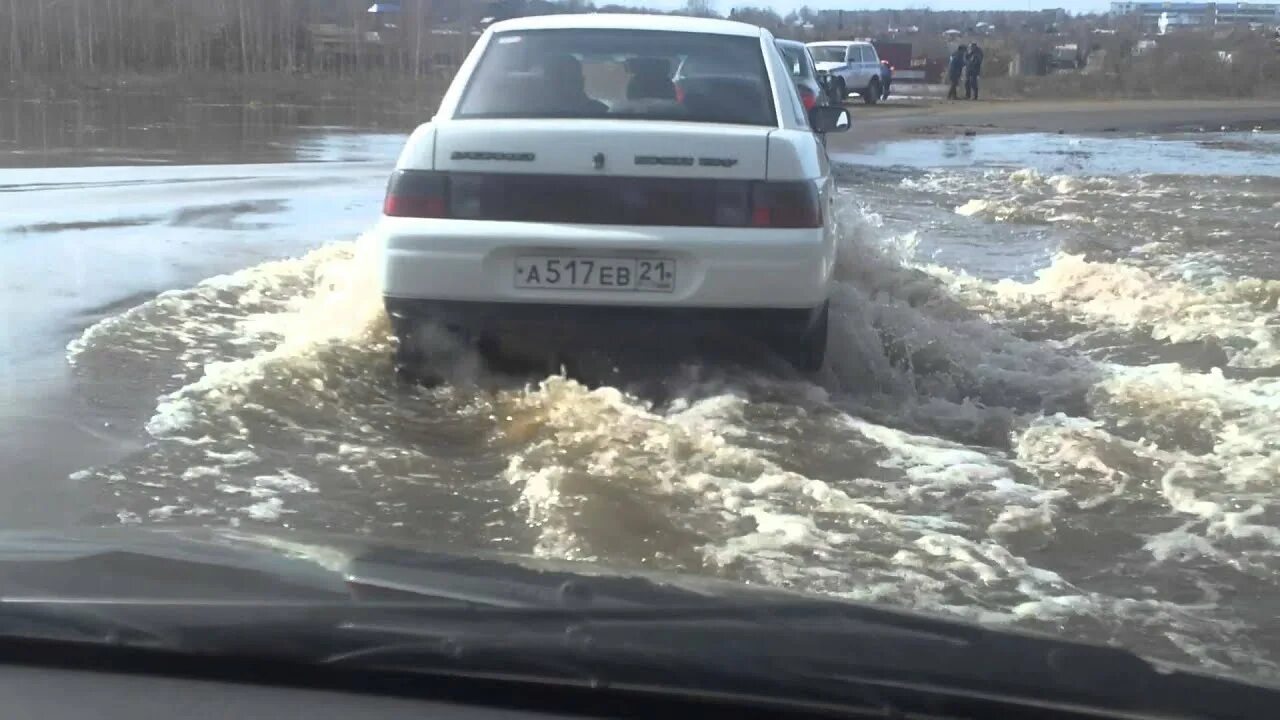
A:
[1051, 400]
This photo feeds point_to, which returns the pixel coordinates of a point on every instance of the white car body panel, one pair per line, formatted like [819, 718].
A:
[567, 147]
[472, 261]
[420, 150]
[719, 267]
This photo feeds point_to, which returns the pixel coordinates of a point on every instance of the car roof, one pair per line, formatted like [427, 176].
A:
[628, 21]
[791, 43]
[837, 43]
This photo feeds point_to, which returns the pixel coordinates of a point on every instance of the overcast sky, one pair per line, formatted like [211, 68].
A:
[784, 6]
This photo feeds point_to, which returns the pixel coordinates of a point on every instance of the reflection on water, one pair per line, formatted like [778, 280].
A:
[958, 148]
[131, 129]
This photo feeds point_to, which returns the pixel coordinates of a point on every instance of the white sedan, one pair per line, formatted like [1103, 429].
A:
[574, 187]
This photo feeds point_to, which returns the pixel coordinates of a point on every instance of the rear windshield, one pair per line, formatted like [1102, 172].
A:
[797, 62]
[623, 74]
[827, 53]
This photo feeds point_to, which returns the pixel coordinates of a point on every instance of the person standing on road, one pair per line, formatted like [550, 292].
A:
[973, 69]
[954, 68]
[886, 79]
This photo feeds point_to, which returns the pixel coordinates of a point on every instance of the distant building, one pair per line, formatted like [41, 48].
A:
[1155, 15]
[1247, 13]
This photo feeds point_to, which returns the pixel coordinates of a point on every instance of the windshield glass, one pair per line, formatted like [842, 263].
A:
[828, 53]
[994, 336]
[621, 74]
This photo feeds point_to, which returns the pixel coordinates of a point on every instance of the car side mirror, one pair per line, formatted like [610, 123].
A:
[829, 118]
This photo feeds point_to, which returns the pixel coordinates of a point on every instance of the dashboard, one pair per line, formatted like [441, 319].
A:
[59, 694]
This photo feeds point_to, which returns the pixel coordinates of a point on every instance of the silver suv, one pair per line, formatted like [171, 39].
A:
[851, 66]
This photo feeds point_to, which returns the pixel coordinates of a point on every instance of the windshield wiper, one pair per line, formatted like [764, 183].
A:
[688, 651]
[805, 651]
[801, 652]
[437, 613]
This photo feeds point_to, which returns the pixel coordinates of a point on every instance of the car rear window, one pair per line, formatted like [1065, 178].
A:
[797, 63]
[622, 74]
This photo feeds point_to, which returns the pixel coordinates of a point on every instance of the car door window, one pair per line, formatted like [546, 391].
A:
[855, 55]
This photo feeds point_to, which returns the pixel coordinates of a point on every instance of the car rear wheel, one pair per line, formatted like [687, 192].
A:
[807, 350]
[872, 95]
[425, 350]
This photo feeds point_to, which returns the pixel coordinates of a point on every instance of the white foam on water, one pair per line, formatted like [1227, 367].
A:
[226, 309]
[575, 446]
[962, 455]
[1082, 460]
[1158, 446]
[343, 308]
[1025, 196]
[916, 531]
[902, 331]
[287, 321]
[1209, 436]
[599, 451]
[268, 510]
[1125, 297]
[973, 207]
[1232, 481]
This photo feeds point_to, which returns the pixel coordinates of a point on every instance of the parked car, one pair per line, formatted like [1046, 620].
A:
[610, 180]
[804, 72]
[851, 67]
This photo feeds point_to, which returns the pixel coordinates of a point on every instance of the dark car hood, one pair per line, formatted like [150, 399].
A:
[232, 564]
[234, 592]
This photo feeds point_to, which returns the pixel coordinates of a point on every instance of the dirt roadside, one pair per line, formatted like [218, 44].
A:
[915, 118]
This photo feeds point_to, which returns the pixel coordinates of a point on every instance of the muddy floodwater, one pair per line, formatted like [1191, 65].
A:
[1052, 400]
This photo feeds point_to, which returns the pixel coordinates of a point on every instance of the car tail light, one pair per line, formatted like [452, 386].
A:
[687, 202]
[785, 205]
[417, 193]
[808, 97]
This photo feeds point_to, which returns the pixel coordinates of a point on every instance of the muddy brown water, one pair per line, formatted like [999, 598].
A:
[1051, 402]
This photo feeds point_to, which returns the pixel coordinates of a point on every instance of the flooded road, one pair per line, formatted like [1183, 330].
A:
[1051, 402]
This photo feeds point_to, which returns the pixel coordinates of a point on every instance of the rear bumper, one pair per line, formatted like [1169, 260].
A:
[474, 261]
[618, 326]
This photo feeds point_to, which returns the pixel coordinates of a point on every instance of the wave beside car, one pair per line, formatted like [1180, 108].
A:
[589, 177]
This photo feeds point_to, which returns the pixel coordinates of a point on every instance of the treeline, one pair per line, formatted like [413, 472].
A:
[95, 37]
[1241, 64]
[243, 36]
[59, 37]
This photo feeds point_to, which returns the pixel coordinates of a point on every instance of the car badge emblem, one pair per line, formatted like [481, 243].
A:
[598, 161]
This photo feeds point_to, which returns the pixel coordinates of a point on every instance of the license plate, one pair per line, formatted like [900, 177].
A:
[568, 272]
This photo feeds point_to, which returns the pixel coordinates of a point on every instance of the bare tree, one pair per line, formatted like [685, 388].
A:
[699, 8]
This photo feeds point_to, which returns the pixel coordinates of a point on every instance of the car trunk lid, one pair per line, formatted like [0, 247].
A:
[608, 148]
